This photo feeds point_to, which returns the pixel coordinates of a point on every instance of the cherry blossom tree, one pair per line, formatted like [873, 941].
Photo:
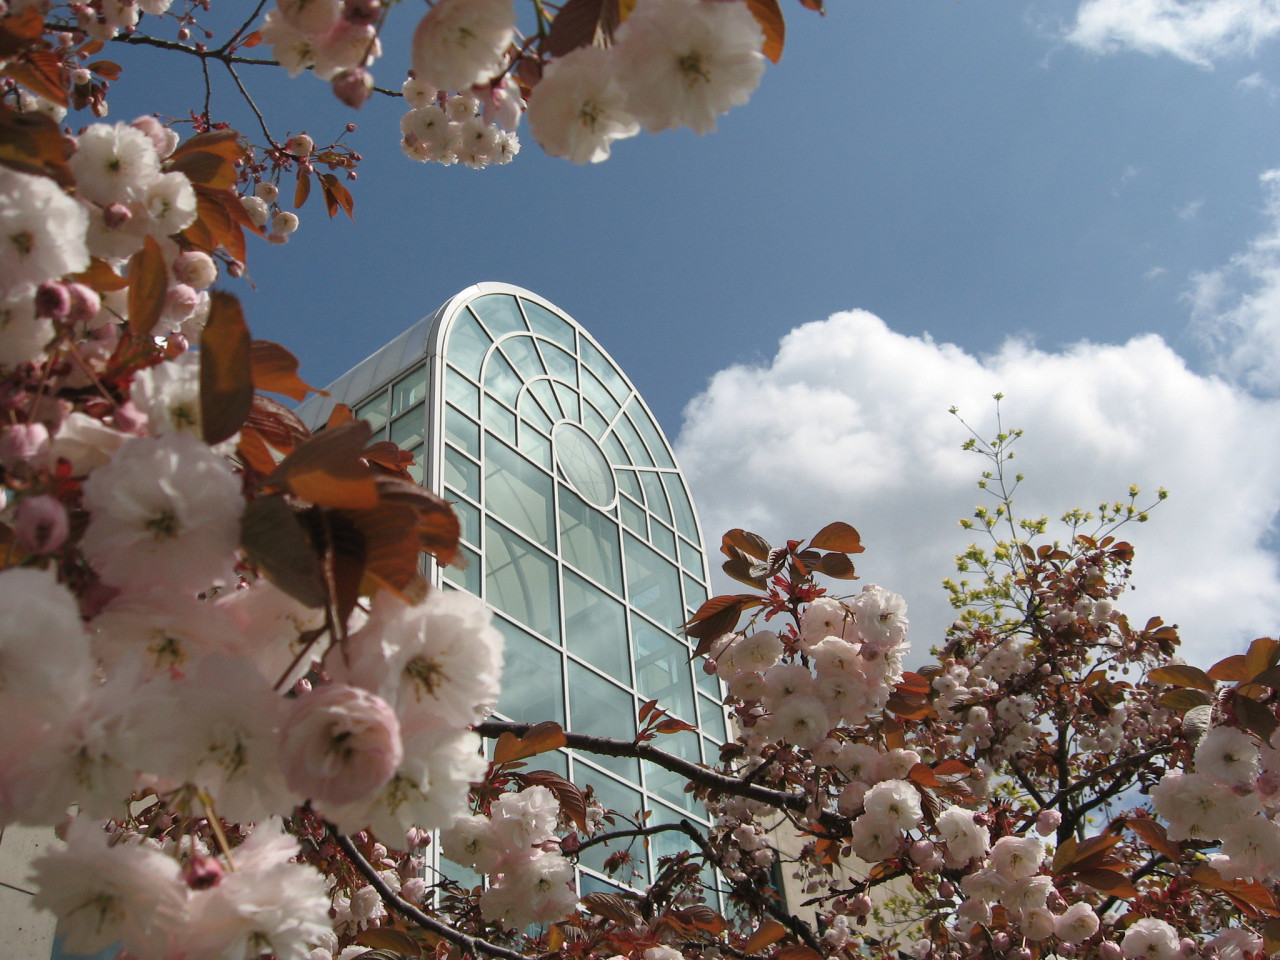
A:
[226, 682]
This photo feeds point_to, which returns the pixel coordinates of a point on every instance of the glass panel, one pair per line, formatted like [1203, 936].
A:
[560, 364]
[524, 357]
[499, 419]
[467, 344]
[632, 441]
[630, 483]
[594, 391]
[654, 495]
[713, 719]
[545, 322]
[599, 708]
[662, 669]
[375, 411]
[584, 465]
[461, 474]
[464, 877]
[468, 515]
[709, 684]
[568, 400]
[668, 785]
[691, 558]
[669, 842]
[589, 541]
[499, 313]
[532, 411]
[605, 370]
[595, 424]
[680, 505]
[595, 627]
[636, 520]
[546, 398]
[589, 884]
[652, 584]
[535, 446]
[410, 429]
[408, 391]
[532, 685]
[467, 577]
[663, 539]
[521, 581]
[501, 380]
[617, 452]
[462, 431]
[625, 803]
[518, 492]
[462, 393]
[695, 594]
[649, 431]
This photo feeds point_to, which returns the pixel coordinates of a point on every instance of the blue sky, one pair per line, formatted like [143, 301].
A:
[1059, 200]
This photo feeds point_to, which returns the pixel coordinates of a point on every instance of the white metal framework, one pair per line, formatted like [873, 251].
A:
[578, 529]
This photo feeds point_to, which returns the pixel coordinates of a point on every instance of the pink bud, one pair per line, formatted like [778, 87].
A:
[201, 872]
[1110, 951]
[85, 303]
[570, 843]
[353, 86]
[300, 145]
[116, 215]
[41, 524]
[129, 419]
[52, 300]
[860, 906]
[361, 12]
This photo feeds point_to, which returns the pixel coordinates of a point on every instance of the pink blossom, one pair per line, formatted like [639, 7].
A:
[339, 744]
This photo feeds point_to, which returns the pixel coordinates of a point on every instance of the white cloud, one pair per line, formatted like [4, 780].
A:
[848, 421]
[1155, 273]
[1256, 81]
[1237, 307]
[1190, 211]
[1198, 31]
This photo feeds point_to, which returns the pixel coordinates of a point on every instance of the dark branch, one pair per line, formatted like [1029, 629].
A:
[464, 942]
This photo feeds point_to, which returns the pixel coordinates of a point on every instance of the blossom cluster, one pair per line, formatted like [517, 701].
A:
[515, 845]
[150, 676]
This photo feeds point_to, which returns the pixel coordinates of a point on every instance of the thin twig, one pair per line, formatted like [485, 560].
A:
[252, 106]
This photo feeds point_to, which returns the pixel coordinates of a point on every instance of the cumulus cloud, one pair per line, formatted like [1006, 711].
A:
[1198, 31]
[1237, 307]
[849, 421]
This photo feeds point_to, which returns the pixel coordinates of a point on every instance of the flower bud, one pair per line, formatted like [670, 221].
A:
[201, 872]
[267, 192]
[1047, 822]
[85, 303]
[284, 223]
[195, 268]
[116, 215]
[23, 442]
[41, 524]
[361, 12]
[352, 86]
[52, 300]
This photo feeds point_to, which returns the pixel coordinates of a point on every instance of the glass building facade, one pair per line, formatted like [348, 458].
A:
[578, 532]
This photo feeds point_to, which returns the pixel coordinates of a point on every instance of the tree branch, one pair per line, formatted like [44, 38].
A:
[465, 942]
[704, 777]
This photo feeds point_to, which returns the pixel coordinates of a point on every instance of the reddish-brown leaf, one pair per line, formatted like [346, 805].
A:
[1254, 717]
[952, 768]
[752, 544]
[769, 15]
[148, 287]
[837, 536]
[1183, 675]
[611, 906]
[395, 942]
[276, 424]
[435, 523]
[541, 738]
[41, 72]
[1251, 896]
[1155, 836]
[767, 934]
[924, 775]
[836, 565]
[33, 143]
[226, 386]
[1184, 699]
[1109, 882]
[275, 543]
[328, 470]
[107, 69]
[1233, 669]
[582, 23]
[716, 617]
[340, 414]
[797, 952]
[337, 197]
[1262, 653]
[100, 277]
[303, 189]
[253, 450]
[275, 370]
[672, 725]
